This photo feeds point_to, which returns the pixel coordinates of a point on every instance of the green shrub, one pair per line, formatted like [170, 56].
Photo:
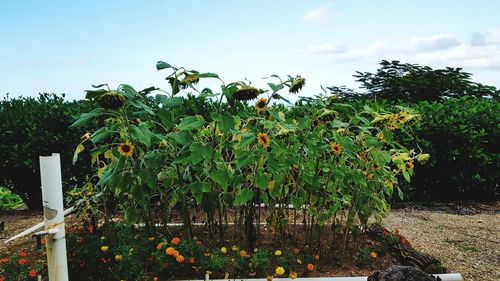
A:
[31, 127]
[462, 137]
[9, 200]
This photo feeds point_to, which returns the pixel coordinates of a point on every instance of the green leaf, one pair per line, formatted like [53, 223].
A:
[297, 202]
[182, 138]
[140, 135]
[226, 122]
[191, 122]
[338, 124]
[148, 178]
[221, 177]
[275, 87]
[162, 65]
[131, 215]
[86, 117]
[208, 75]
[198, 188]
[168, 102]
[261, 180]
[243, 197]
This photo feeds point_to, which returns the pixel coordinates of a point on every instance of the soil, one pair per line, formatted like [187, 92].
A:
[468, 244]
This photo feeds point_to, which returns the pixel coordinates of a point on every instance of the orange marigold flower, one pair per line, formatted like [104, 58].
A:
[23, 254]
[22, 261]
[32, 273]
[126, 149]
[336, 148]
[175, 241]
[310, 267]
[191, 260]
[179, 259]
[261, 104]
[159, 246]
[175, 254]
[263, 139]
[170, 251]
[293, 275]
[316, 257]
[373, 254]
[4, 260]
[243, 253]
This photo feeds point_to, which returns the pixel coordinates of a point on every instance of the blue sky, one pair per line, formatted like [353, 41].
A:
[65, 46]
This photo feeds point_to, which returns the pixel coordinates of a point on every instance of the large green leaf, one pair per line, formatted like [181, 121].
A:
[162, 65]
[221, 177]
[191, 122]
[243, 196]
[168, 102]
[297, 202]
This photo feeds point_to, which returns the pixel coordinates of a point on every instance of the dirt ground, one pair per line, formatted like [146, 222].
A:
[468, 244]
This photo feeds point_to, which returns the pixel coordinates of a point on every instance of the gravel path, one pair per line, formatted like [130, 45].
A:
[469, 245]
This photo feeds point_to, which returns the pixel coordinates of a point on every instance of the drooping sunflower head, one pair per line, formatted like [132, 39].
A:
[297, 84]
[245, 92]
[188, 80]
[336, 148]
[261, 104]
[111, 100]
[263, 139]
[126, 149]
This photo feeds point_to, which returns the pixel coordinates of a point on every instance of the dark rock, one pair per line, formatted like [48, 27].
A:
[402, 273]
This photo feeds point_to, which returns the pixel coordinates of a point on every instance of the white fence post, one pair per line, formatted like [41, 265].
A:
[52, 195]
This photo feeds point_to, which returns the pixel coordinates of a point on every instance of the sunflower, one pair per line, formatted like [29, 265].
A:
[263, 139]
[297, 84]
[111, 100]
[245, 92]
[189, 80]
[336, 148]
[261, 104]
[126, 149]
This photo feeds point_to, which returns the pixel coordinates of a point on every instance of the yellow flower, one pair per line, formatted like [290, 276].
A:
[423, 157]
[223, 250]
[336, 148]
[263, 139]
[280, 271]
[293, 275]
[410, 164]
[299, 261]
[261, 104]
[277, 253]
[118, 258]
[104, 248]
[126, 149]
[234, 248]
[269, 278]
[373, 254]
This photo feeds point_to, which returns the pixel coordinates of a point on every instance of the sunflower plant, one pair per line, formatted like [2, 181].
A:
[227, 151]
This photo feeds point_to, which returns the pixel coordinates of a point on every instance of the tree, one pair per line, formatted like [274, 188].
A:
[413, 83]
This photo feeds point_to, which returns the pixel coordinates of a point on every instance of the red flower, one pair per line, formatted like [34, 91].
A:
[23, 254]
[22, 261]
[32, 273]
[1, 278]
[3, 261]
[175, 241]
[44, 241]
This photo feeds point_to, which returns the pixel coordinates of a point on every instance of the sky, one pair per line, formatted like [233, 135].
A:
[66, 46]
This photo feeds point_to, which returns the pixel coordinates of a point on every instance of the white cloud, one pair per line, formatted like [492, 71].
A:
[317, 15]
[481, 51]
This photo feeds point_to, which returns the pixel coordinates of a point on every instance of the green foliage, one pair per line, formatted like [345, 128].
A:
[20, 266]
[33, 127]
[412, 83]
[462, 137]
[9, 200]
